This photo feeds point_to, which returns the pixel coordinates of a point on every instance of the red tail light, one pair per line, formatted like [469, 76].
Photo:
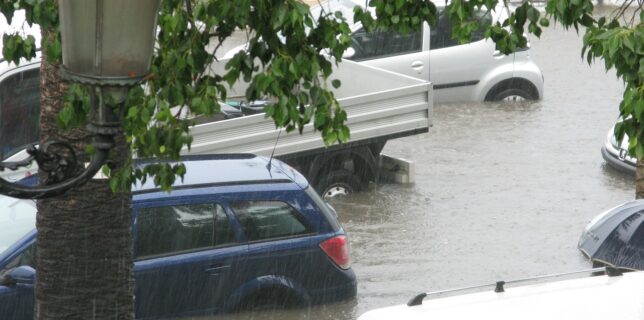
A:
[337, 248]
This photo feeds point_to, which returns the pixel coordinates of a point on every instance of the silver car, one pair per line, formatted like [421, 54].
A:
[475, 71]
[616, 154]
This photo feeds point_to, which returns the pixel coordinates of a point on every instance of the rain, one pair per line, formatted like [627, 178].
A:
[502, 191]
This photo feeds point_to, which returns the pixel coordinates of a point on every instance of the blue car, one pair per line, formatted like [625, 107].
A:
[238, 230]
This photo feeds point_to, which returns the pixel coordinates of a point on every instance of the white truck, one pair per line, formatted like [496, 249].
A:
[380, 105]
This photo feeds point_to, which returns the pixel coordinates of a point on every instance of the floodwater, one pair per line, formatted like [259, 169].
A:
[502, 191]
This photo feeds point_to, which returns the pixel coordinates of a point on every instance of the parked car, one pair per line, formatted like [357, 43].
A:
[239, 229]
[617, 296]
[616, 154]
[474, 71]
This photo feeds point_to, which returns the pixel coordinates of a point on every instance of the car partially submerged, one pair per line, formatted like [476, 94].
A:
[611, 296]
[239, 230]
[616, 154]
[473, 71]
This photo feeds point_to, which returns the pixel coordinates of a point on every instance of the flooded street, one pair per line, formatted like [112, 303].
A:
[502, 191]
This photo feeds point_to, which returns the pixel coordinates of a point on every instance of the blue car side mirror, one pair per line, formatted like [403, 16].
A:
[21, 275]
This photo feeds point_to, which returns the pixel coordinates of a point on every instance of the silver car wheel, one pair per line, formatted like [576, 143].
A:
[514, 98]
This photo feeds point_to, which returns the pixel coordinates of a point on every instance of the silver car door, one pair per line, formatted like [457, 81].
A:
[405, 54]
[456, 69]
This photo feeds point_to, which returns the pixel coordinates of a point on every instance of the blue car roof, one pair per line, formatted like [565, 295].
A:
[229, 169]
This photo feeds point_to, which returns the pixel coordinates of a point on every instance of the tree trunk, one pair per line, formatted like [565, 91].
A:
[84, 247]
[639, 179]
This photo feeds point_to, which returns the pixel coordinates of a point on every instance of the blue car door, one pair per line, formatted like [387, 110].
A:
[186, 257]
[17, 299]
[280, 240]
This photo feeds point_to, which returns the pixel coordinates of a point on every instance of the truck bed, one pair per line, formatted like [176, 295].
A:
[380, 105]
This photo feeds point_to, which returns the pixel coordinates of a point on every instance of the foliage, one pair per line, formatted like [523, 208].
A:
[285, 61]
[622, 48]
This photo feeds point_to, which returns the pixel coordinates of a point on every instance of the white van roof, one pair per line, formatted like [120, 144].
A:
[590, 298]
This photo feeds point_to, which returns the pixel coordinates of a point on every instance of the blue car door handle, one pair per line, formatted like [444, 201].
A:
[216, 270]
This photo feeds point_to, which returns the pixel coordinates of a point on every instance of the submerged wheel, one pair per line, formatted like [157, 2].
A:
[339, 183]
[270, 299]
[513, 95]
[515, 89]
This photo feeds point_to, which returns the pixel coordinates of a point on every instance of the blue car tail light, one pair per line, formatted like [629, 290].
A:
[337, 248]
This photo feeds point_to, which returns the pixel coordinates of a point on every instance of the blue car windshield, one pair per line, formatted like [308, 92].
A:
[17, 218]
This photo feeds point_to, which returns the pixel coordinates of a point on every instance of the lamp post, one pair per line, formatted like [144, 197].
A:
[107, 45]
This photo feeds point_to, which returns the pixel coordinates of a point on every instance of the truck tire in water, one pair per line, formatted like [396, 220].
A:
[339, 183]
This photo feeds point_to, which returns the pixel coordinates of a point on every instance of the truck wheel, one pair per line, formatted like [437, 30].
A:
[339, 183]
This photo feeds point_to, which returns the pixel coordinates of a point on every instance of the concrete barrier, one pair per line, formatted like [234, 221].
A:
[396, 170]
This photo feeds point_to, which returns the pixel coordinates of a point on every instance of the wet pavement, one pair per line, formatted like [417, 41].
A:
[502, 191]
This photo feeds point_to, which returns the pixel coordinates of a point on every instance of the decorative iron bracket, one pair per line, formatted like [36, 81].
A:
[60, 168]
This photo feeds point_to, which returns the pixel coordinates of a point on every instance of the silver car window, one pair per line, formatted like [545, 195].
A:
[380, 44]
[441, 33]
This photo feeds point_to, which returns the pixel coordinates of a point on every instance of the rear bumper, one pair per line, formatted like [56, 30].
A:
[615, 162]
[346, 291]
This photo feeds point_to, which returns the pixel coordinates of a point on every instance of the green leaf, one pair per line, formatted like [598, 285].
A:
[330, 137]
[544, 22]
[336, 83]
[533, 14]
[629, 42]
[343, 134]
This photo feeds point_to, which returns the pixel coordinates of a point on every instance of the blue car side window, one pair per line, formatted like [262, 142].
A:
[181, 228]
[261, 220]
[224, 233]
